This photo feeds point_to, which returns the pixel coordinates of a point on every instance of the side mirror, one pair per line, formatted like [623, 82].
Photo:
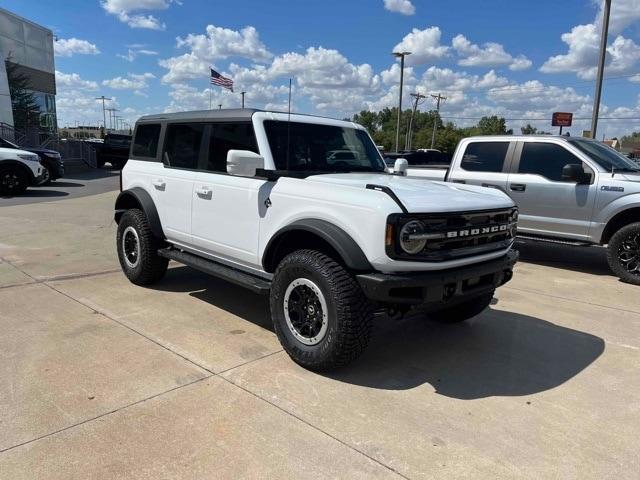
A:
[400, 167]
[243, 163]
[574, 172]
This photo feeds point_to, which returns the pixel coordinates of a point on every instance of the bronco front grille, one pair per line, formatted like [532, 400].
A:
[456, 235]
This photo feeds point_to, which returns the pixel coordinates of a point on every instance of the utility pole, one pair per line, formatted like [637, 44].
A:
[242, 93]
[111, 111]
[438, 98]
[400, 55]
[601, 59]
[219, 106]
[104, 115]
[408, 139]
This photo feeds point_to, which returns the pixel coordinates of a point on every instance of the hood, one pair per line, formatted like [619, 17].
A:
[40, 150]
[625, 177]
[424, 196]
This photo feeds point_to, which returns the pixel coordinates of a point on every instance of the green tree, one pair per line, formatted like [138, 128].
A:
[633, 138]
[26, 112]
[528, 129]
[493, 126]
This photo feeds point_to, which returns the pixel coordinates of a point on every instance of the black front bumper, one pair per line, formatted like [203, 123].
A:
[438, 287]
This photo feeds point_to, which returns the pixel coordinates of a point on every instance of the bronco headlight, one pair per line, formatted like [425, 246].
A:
[409, 231]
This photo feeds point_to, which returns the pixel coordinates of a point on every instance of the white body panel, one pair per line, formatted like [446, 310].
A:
[32, 163]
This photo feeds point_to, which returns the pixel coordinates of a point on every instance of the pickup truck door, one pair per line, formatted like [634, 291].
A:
[548, 205]
[226, 209]
[482, 162]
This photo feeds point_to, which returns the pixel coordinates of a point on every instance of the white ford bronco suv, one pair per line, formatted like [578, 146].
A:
[270, 201]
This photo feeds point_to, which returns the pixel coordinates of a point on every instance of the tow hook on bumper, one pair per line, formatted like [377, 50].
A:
[438, 287]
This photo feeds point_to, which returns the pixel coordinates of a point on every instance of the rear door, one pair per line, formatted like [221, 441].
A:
[484, 163]
[549, 205]
[227, 208]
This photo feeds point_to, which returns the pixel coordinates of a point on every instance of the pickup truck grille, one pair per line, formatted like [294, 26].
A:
[456, 235]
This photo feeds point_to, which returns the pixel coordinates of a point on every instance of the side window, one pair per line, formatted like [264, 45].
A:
[546, 159]
[225, 137]
[145, 143]
[182, 145]
[484, 156]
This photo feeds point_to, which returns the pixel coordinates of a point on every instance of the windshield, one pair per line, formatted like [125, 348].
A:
[321, 148]
[605, 156]
[7, 144]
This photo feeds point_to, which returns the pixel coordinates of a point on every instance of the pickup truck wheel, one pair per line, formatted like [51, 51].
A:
[12, 181]
[137, 249]
[462, 311]
[321, 317]
[623, 253]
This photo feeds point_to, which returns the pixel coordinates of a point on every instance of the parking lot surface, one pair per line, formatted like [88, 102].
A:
[104, 379]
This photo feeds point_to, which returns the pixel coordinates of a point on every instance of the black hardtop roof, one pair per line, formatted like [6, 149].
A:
[234, 114]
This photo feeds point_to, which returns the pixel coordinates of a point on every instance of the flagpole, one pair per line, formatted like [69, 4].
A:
[209, 96]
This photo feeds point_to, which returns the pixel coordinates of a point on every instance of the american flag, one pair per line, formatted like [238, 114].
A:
[217, 79]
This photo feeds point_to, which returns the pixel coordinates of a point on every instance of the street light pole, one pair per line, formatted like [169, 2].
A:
[104, 115]
[603, 52]
[400, 55]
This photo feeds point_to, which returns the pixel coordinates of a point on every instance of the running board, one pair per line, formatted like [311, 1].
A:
[554, 240]
[251, 282]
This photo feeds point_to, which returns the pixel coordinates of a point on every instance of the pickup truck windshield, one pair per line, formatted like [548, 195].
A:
[321, 148]
[605, 156]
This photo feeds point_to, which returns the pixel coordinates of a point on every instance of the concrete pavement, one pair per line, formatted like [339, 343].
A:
[103, 379]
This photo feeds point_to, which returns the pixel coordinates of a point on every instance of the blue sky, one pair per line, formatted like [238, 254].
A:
[520, 60]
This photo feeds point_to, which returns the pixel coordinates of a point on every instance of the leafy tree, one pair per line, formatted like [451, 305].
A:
[493, 126]
[634, 138]
[26, 112]
[528, 129]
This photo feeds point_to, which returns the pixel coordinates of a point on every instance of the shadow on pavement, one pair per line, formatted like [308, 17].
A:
[38, 192]
[498, 353]
[591, 260]
[62, 183]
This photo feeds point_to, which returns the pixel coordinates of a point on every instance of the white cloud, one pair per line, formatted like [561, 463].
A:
[73, 80]
[131, 82]
[66, 47]
[623, 14]
[424, 46]
[490, 54]
[132, 53]
[405, 7]
[123, 10]
[184, 67]
[219, 42]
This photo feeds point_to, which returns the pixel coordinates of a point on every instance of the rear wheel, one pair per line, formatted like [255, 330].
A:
[623, 253]
[321, 317]
[13, 181]
[138, 249]
[462, 311]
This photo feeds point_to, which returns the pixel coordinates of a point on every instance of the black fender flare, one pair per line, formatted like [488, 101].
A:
[137, 197]
[350, 252]
[20, 166]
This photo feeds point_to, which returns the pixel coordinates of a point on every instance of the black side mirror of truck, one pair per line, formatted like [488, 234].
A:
[574, 172]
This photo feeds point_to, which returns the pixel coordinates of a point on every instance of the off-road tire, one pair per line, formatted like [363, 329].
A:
[150, 267]
[14, 186]
[349, 312]
[627, 238]
[462, 311]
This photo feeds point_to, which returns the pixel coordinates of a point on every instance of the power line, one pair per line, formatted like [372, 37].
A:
[539, 119]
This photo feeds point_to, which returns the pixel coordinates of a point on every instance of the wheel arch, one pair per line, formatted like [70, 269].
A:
[137, 197]
[21, 166]
[316, 234]
[618, 221]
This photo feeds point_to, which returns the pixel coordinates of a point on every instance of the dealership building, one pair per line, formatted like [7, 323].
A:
[27, 48]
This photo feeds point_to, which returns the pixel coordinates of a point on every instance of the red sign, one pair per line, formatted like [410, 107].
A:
[561, 119]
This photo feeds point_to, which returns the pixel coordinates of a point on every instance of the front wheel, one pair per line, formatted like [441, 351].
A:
[46, 176]
[462, 311]
[623, 253]
[12, 181]
[320, 315]
[138, 249]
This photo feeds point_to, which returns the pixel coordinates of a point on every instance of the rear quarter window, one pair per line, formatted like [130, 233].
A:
[484, 156]
[145, 142]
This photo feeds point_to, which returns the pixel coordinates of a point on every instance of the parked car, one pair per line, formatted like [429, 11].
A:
[114, 150]
[569, 190]
[50, 160]
[19, 170]
[249, 196]
[418, 158]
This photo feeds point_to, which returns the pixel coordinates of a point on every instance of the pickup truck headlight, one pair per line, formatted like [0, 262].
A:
[409, 231]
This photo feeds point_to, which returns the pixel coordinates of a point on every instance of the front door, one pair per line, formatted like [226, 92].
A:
[547, 204]
[226, 208]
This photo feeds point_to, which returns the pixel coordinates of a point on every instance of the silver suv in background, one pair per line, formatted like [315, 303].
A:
[568, 190]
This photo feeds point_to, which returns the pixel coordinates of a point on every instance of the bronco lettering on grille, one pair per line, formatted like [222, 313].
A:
[471, 232]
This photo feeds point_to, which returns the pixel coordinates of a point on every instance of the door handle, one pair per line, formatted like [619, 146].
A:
[204, 192]
[458, 181]
[518, 187]
[159, 184]
[491, 185]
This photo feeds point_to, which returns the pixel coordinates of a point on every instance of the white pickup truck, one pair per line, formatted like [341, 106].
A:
[568, 190]
[302, 208]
